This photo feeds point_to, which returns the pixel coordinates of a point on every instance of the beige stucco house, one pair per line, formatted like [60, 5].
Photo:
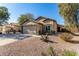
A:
[41, 25]
[6, 28]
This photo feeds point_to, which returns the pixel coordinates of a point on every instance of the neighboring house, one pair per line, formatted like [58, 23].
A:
[1, 29]
[60, 28]
[12, 27]
[41, 25]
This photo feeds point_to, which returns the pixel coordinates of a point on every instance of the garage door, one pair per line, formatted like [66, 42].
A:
[29, 29]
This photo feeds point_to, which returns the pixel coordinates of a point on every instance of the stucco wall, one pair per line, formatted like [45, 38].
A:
[52, 24]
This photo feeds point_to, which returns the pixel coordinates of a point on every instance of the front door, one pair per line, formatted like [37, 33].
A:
[48, 28]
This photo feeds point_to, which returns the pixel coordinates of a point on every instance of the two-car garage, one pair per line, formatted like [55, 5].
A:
[29, 28]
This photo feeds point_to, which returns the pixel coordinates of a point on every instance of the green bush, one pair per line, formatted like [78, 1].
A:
[51, 51]
[69, 53]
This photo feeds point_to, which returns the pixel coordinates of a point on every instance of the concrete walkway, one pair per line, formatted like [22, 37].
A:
[7, 41]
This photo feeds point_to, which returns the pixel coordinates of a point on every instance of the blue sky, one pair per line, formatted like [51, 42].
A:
[49, 10]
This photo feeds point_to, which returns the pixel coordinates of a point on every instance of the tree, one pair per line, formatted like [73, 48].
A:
[25, 17]
[4, 15]
[69, 12]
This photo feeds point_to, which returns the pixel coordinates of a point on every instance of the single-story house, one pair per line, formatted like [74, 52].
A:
[41, 25]
[6, 28]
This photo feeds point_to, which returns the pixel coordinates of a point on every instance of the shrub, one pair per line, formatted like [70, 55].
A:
[69, 53]
[66, 36]
[51, 51]
[44, 38]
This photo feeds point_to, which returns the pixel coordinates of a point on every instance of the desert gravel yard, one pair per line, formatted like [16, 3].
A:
[33, 46]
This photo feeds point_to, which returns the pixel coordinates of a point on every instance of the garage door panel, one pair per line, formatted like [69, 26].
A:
[29, 29]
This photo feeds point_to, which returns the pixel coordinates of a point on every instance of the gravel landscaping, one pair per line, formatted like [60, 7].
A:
[33, 46]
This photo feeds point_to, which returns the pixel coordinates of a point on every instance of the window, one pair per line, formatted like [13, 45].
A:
[78, 15]
[48, 27]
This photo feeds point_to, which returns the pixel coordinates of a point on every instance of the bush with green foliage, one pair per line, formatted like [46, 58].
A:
[69, 53]
[51, 51]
